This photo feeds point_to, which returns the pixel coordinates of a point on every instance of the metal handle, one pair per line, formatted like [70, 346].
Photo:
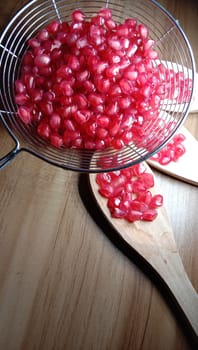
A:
[9, 157]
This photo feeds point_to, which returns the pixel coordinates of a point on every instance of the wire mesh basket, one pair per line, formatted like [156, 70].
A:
[173, 50]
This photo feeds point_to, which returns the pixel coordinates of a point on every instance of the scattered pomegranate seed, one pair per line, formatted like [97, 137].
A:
[128, 195]
[94, 83]
[172, 151]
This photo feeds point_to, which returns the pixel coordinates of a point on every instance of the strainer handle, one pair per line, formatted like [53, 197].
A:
[8, 157]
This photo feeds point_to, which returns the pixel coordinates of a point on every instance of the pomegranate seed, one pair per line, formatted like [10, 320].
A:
[42, 60]
[105, 13]
[21, 99]
[149, 215]
[156, 201]
[44, 130]
[25, 114]
[56, 140]
[78, 16]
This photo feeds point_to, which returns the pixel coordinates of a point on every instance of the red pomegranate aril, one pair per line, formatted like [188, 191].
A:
[44, 129]
[55, 121]
[124, 102]
[110, 24]
[25, 114]
[125, 85]
[130, 74]
[56, 140]
[118, 143]
[34, 43]
[115, 90]
[46, 107]
[156, 201]
[70, 136]
[82, 116]
[145, 197]
[152, 54]
[139, 206]
[21, 99]
[95, 99]
[134, 215]
[178, 151]
[78, 16]
[131, 50]
[127, 137]
[43, 35]
[102, 85]
[114, 128]
[149, 215]
[178, 138]
[20, 86]
[89, 86]
[82, 76]
[36, 95]
[101, 133]
[42, 60]
[117, 213]
[80, 100]
[103, 121]
[143, 30]
[105, 13]
[53, 27]
[73, 62]
[90, 144]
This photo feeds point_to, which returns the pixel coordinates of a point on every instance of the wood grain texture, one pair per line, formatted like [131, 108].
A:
[66, 280]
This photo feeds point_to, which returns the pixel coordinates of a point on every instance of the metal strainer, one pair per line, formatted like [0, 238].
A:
[170, 43]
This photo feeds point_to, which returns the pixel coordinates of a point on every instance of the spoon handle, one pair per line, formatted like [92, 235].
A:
[171, 269]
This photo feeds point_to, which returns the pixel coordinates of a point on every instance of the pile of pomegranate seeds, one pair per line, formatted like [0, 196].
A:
[128, 193]
[92, 83]
[172, 151]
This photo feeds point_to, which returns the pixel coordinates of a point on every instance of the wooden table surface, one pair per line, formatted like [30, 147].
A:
[65, 283]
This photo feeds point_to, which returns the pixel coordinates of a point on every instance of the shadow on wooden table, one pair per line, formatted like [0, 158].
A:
[94, 211]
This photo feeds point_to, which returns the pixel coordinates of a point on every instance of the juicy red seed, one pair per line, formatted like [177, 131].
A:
[44, 130]
[149, 215]
[124, 102]
[43, 35]
[42, 60]
[95, 99]
[55, 121]
[82, 116]
[105, 13]
[143, 30]
[172, 151]
[53, 27]
[148, 180]
[111, 24]
[117, 213]
[20, 86]
[156, 201]
[25, 114]
[21, 99]
[78, 16]
[134, 215]
[125, 86]
[56, 140]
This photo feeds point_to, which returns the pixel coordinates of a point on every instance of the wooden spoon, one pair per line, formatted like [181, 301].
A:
[155, 242]
[186, 168]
